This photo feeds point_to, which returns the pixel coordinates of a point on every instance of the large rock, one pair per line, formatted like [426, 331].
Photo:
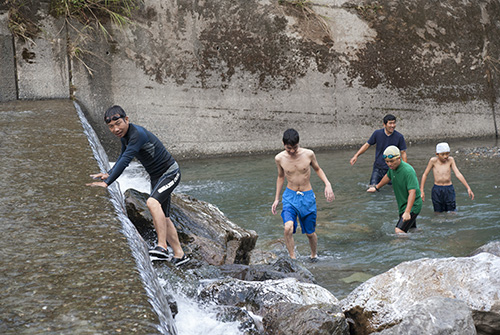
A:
[292, 319]
[387, 299]
[286, 305]
[202, 227]
[436, 316]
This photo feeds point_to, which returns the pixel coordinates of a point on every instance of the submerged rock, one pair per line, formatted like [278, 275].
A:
[280, 269]
[492, 248]
[388, 299]
[203, 228]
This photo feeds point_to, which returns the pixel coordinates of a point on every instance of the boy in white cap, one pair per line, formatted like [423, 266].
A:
[443, 193]
[405, 185]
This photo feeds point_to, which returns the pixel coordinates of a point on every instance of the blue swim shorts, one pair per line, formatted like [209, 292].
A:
[443, 198]
[300, 205]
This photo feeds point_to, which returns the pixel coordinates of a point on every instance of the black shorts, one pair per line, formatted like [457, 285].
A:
[443, 198]
[406, 225]
[163, 187]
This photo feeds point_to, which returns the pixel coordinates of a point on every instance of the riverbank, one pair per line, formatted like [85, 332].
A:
[483, 152]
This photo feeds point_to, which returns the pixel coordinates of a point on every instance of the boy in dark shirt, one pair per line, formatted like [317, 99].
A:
[163, 171]
[382, 138]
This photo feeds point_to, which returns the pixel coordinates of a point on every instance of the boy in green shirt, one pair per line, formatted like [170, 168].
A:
[405, 184]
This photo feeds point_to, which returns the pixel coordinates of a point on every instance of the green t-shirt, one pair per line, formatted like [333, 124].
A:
[404, 179]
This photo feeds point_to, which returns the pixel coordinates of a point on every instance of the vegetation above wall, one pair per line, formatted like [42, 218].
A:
[92, 14]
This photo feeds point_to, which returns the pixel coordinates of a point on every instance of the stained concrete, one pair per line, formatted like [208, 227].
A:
[227, 77]
[8, 90]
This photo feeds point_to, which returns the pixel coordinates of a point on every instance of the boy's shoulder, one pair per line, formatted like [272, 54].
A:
[307, 151]
[280, 154]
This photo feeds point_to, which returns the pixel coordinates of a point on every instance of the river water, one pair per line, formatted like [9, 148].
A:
[355, 231]
[57, 275]
[356, 237]
[66, 265]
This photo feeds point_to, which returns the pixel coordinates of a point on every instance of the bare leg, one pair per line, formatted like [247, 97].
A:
[313, 243]
[399, 231]
[290, 245]
[165, 229]
[173, 239]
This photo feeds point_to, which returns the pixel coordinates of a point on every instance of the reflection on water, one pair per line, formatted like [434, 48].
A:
[65, 266]
[356, 231]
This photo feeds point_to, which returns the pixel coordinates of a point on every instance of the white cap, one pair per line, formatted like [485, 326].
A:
[442, 147]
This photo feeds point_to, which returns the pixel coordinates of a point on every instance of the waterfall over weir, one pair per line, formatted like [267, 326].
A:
[68, 264]
[154, 290]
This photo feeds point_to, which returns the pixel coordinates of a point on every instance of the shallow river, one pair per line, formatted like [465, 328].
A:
[57, 235]
[356, 231]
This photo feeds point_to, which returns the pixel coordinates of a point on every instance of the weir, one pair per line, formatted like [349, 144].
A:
[69, 263]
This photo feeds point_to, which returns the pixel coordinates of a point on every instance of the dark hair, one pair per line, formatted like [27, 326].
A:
[114, 113]
[290, 137]
[389, 117]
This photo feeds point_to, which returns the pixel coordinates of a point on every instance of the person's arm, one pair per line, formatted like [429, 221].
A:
[329, 195]
[424, 178]
[403, 156]
[280, 181]
[361, 151]
[412, 194]
[460, 177]
[385, 180]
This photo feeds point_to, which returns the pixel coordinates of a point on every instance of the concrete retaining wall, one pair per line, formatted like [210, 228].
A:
[230, 76]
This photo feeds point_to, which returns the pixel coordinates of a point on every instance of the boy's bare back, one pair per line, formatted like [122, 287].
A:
[296, 168]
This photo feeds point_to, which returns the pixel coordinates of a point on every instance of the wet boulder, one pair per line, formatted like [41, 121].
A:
[435, 316]
[294, 319]
[311, 308]
[387, 300]
[283, 267]
[204, 231]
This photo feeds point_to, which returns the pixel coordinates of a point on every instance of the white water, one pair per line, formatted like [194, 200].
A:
[192, 318]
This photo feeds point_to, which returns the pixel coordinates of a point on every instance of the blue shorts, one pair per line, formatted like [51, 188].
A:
[301, 205]
[443, 198]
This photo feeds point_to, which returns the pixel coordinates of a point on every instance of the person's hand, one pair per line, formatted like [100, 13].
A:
[98, 183]
[406, 216]
[329, 193]
[471, 194]
[371, 189]
[353, 160]
[101, 176]
[422, 195]
[274, 206]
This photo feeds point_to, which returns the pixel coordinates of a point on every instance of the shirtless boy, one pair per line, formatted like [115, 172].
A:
[443, 193]
[299, 200]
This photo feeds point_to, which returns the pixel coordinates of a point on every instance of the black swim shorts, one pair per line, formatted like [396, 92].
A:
[406, 225]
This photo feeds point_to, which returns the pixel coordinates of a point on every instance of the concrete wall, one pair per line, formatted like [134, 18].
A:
[8, 89]
[230, 76]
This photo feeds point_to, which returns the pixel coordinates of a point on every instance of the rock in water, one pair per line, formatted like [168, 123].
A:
[202, 228]
[436, 316]
[387, 299]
